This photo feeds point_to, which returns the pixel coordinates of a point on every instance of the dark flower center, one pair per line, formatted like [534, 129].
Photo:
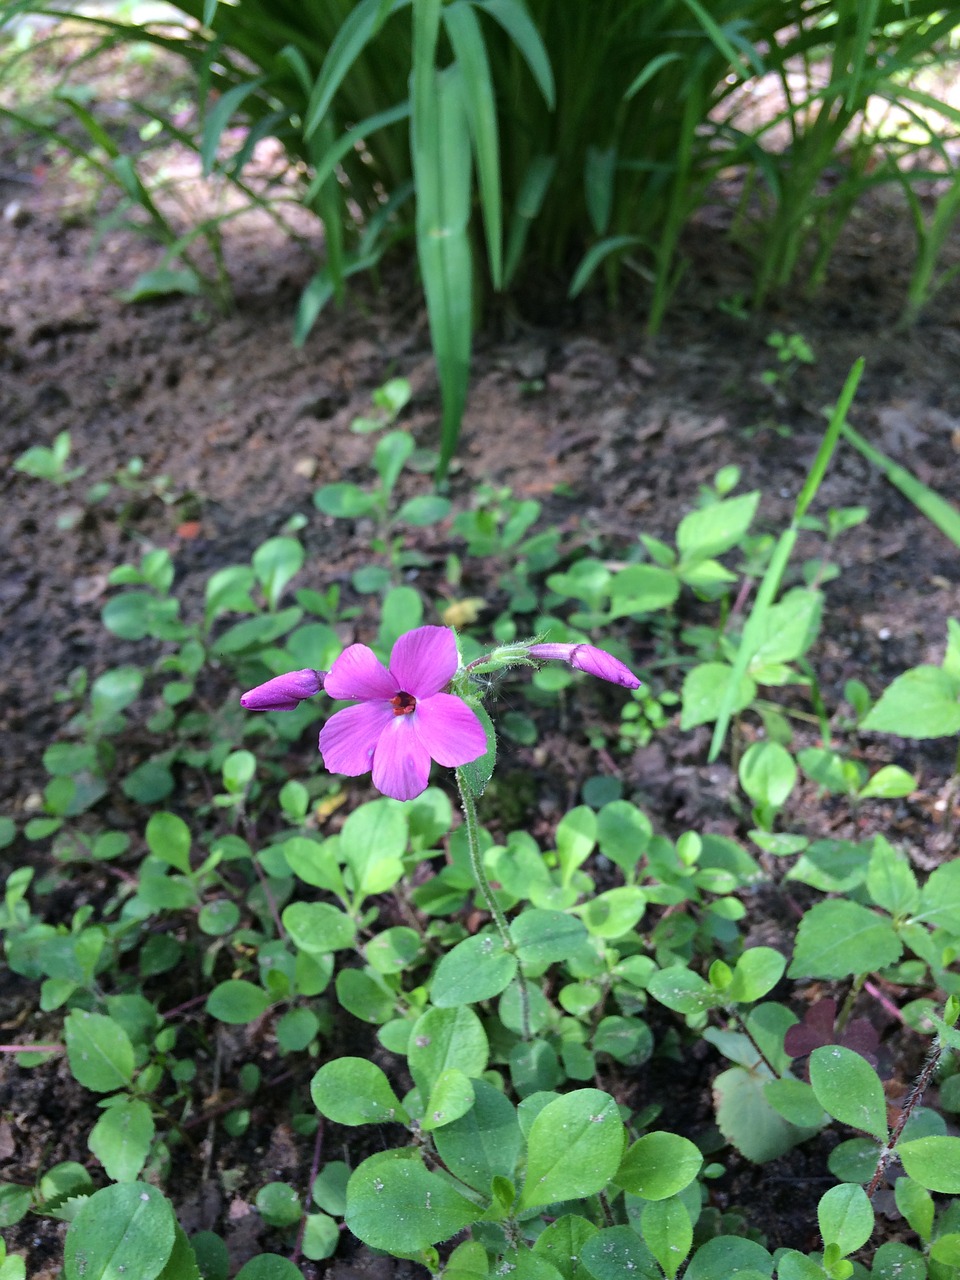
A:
[404, 704]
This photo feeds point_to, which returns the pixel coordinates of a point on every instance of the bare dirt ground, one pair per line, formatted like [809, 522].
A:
[610, 429]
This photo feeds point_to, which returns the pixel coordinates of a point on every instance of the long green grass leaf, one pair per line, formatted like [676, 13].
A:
[356, 31]
[218, 119]
[479, 101]
[346, 143]
[594, 256]
[829, 442]
[517, 23]
[753, 628]
[599, 175]
[937, 509]
[530, 198]
[718, 37]
[649, 71]
[440, 145]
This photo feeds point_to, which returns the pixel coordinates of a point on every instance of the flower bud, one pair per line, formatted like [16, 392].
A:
[588, 658]
[284, 693]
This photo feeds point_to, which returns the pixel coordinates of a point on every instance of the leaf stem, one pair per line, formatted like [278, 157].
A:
[472, 828]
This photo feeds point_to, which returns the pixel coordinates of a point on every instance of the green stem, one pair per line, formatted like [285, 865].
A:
[472, 828]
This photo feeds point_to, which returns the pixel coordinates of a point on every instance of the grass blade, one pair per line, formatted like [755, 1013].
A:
[354, 34]
[440, 146]
[770, 583]
[530, 200]
[938, 510]
[594, 256]
[518, 25]
[480, 103]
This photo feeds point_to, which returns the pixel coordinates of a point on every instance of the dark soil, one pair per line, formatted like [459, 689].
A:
[610, 429]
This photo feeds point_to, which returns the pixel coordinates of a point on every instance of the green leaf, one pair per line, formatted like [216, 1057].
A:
[704, 690]
[255, 633]
[278, 1204]
[543, 936]
[366, 995]
[353, 1091]
[484, 1143]
[237, 1001]
[395, 1204]
[576, 838]
[616, 1252]
[726, 1256]
[849, 1089]
[895, 1261]
[99, 1051]
[372, 843]
[321, 1235]
[149, 782]
[113, 691]
[623, 834]
[168, 838]
[889, 783]
[795, 1101]
[275, 562]
[615, 913]
[296, 1029]
[469, 49]
[269, 1266]
[668, 1233]
[475, 969]
[758, 971]
[445, 1038]
[845, 1215]
[15, 1203]
[787, 630]
[424, 510]
[121, 1138]
[715, 529]
[562, 1242]
[125, 1229]
[934, 1162]
[767, 773]
[228, 591]
[746, 1118]
[683, 991]
[440, 150]
[573, 1148]
[658, 1165]
[642, 588]
[922, 703]
[890, 879]
[940, 898]
[839, 939]
[450, 1098]
[318, 928]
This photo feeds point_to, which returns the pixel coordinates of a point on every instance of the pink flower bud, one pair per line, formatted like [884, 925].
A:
[588, 658]
[284, 693]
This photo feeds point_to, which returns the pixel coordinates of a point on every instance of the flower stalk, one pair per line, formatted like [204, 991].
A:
[472, 828]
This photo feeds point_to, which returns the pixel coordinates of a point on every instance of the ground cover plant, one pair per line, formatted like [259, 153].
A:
[514, 142]
[475, 1001]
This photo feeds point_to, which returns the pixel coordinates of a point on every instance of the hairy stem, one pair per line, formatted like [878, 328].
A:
[913, 1100]
[472, 828]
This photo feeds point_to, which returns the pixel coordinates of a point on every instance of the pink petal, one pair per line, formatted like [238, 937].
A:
[349, 739]
[401, 763]
[424, 661]
[358, 673]
[449, 730]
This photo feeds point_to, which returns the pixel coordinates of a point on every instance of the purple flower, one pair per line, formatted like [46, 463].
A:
[283, 693]
[586, 657]
[402, 720]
